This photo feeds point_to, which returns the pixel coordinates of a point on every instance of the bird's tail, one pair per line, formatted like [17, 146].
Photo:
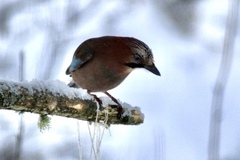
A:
[73, 84]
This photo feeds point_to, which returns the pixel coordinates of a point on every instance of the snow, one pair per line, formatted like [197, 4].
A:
[56, 87]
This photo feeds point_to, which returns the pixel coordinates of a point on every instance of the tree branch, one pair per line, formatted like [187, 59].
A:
[56, 98]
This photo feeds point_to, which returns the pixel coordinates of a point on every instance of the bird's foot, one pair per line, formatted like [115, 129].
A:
[119, 106]
[120, 112]
[99, 101]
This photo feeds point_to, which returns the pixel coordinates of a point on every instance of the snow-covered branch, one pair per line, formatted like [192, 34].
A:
[56, 98]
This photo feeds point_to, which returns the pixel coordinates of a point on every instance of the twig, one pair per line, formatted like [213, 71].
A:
[221, 82]
[56, 98]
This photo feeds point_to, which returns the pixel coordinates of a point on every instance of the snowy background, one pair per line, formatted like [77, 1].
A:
[186, 37]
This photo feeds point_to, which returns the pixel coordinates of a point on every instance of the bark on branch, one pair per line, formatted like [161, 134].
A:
[56, 98]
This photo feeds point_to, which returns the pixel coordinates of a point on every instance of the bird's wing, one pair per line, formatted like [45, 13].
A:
[78, 60]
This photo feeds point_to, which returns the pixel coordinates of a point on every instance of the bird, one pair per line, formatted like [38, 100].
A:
[102, 63]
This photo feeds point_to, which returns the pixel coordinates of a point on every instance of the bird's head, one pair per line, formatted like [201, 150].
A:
[141, 57]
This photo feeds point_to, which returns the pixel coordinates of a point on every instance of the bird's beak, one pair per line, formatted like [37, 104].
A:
[153, 69]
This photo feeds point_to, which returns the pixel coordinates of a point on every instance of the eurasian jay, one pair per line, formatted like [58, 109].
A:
[100, 64]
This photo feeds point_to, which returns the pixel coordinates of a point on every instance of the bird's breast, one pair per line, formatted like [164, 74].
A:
[99, 77]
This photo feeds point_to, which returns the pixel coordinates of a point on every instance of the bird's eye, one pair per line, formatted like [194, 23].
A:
[137, 57]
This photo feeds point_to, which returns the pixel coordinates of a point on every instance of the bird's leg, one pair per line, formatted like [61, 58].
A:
[97, 99]
[120, 108]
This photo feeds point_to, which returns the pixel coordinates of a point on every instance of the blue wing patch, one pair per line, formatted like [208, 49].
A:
[78, 61]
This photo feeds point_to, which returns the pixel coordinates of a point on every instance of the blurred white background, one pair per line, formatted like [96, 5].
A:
[186, 38]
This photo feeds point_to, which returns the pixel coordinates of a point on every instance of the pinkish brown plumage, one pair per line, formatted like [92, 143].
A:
[100, 64]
